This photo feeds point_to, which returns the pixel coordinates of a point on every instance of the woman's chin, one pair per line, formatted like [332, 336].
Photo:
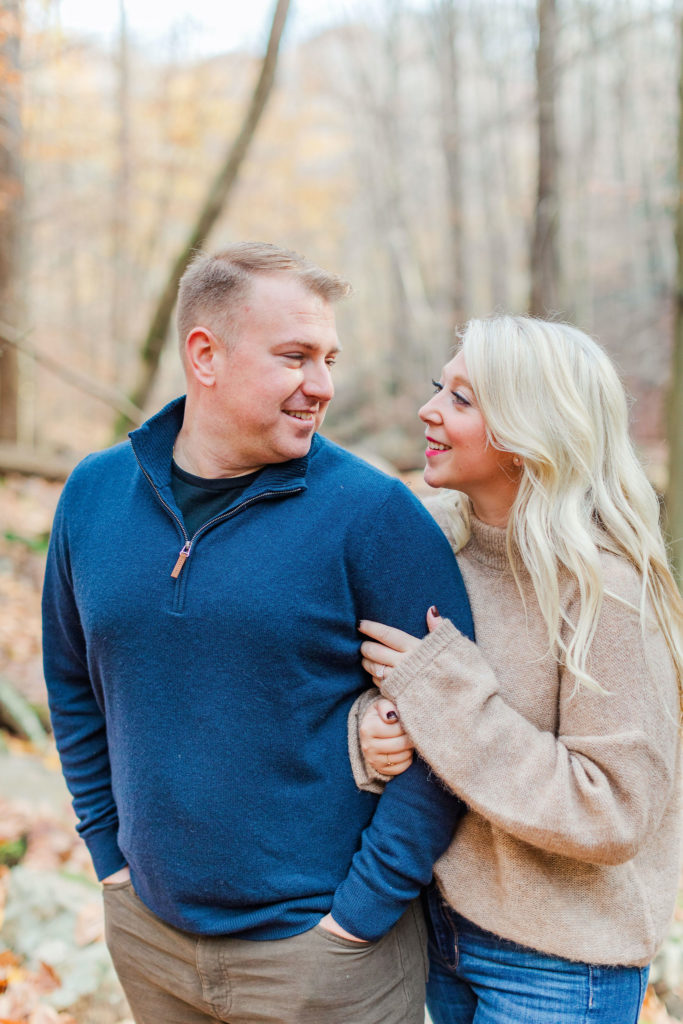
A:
[433, 478]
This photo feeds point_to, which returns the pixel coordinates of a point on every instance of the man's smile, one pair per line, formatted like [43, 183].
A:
[300, 414]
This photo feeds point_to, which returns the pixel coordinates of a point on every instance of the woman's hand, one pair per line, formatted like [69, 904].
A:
[389, 645]
[386, 746]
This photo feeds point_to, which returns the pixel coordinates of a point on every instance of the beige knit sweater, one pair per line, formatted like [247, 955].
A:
[571, 841]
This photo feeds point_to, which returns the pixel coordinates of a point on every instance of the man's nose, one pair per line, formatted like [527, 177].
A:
[318, 382]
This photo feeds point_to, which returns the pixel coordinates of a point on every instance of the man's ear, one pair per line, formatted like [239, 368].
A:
[201, 349]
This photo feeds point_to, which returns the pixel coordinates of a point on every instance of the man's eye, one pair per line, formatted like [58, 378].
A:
[331, 362]
[437, 387]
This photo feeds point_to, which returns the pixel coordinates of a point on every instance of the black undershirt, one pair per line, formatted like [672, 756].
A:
[201, 498]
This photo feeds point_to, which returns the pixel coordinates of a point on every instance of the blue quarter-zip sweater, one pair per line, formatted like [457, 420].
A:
[201, 717]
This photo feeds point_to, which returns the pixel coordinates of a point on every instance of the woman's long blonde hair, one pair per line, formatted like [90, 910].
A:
[551, 395]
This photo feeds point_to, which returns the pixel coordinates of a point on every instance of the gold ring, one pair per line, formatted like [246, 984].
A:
[389, 763]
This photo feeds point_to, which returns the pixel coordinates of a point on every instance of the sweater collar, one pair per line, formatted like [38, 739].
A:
[487, 544]
[153, 447]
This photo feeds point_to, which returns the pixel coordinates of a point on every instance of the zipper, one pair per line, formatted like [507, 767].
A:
[182, 558]
[188, 543]
[184, 552]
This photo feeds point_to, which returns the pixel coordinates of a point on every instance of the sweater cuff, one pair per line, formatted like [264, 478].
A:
[418, 661]
[364, 775]
[104, 851]
[355, 902]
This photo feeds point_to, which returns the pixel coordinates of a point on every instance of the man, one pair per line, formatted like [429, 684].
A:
[203, 588]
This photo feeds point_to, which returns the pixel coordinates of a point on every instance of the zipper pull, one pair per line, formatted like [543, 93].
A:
[182, 558]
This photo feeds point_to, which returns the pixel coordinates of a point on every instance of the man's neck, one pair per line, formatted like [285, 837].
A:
[198, 457]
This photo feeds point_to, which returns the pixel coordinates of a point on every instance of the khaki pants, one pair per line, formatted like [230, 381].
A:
[171, 977]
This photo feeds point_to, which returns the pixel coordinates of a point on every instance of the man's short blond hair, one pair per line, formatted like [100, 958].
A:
[213, 284]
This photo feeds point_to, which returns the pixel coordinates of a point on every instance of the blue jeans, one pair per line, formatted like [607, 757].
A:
[476, 977]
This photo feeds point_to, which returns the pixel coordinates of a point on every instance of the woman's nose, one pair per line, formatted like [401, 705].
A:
[428, 413]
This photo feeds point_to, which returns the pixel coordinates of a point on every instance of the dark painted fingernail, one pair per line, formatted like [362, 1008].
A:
[434, 610]
[391, 715]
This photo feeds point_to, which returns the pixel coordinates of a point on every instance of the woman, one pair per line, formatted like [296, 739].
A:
[559, 729]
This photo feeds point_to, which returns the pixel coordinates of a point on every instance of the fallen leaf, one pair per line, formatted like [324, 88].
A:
[654, 1011]
[46, 978]
[89, 925]
[44, 1015]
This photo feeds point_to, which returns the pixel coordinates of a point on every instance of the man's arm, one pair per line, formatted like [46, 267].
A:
[405, 566]
[77, 718]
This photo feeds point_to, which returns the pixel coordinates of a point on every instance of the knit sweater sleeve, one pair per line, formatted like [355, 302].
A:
[77, 718]
[594, 790]
[404, 565]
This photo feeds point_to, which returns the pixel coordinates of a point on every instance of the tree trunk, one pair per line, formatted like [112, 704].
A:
[214, 204]
[121, 213]
[11, 193]
[674, 495]
[544, 297]
[448, 69]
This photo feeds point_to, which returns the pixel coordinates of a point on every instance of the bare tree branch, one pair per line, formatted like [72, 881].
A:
[111, 397]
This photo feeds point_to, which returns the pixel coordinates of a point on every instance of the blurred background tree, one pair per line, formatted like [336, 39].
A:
[451, 157]
[674, 493]
[11, 201]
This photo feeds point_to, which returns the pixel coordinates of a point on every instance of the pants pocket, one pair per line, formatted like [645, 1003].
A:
[340, 940]
[379, 982]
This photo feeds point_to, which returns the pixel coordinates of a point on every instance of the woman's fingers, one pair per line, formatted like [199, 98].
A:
[390, 764]
[434, 620]
[374, 728]
[387, 711]
[384, 745]
[388, 636]
[390, 747]
[380, 654]
[376, 669]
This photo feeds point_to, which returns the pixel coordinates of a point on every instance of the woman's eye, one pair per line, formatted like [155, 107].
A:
[460, 398]
[437, 387]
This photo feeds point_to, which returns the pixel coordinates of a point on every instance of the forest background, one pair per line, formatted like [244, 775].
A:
[452, 158]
